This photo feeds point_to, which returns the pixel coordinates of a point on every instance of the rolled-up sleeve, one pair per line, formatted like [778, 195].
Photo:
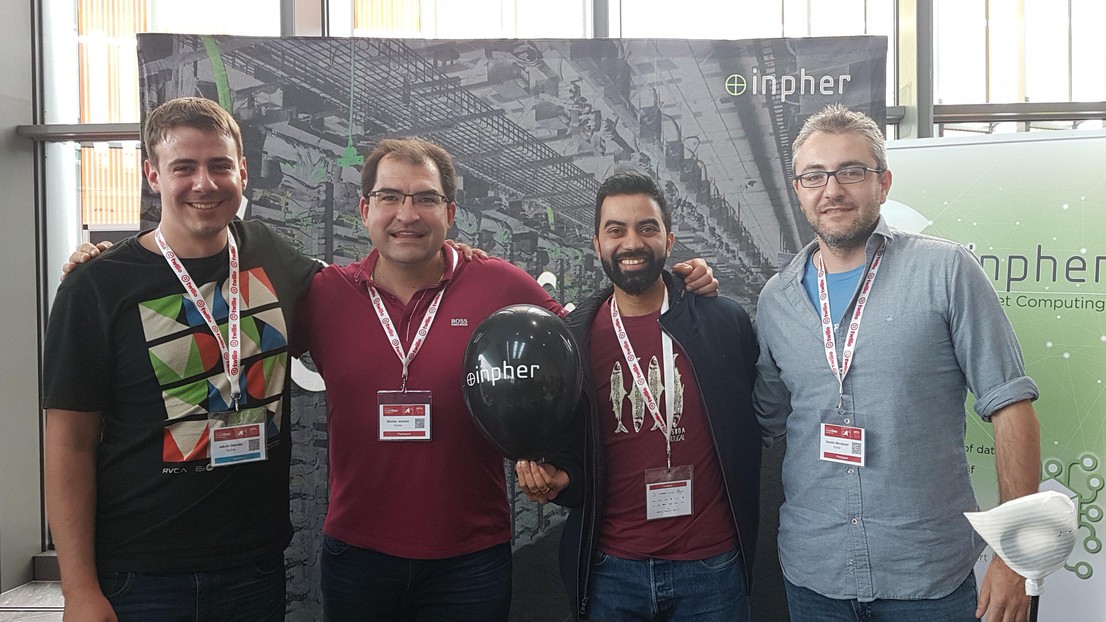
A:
[984, 341]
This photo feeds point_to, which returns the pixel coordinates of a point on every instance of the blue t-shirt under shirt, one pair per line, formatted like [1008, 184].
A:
[841, 288]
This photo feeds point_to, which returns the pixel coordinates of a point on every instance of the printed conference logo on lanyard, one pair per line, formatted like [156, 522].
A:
[236, 435]
[404, 415]
[667, 490]
[838, 443]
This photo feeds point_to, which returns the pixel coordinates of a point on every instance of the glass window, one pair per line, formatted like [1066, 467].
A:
[107, 48]
[699, 19]
[989, 51]
[1010, 127]
[1005, 77]
[828, 19]
[110, 178]
[462, 19]
[710, 19]
[397, 18]
[1088, 51]
[960, 52]
[100, 36]
[879, 19]
[544, 19]
[107, 59]
[1047, 50]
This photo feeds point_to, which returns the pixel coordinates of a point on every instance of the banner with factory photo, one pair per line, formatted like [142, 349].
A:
[534, 127]
[1032, 208]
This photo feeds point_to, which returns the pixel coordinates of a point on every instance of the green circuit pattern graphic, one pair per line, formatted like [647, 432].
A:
[1089, 483]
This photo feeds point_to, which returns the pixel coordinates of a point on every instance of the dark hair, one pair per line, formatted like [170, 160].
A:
[414, 151]
[631, 182]
[196, 112]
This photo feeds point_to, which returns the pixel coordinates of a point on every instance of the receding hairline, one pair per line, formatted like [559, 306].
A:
[837, 119]
[410, 158]
[413, 151]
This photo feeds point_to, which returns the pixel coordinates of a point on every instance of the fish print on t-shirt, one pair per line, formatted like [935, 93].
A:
[638, 410]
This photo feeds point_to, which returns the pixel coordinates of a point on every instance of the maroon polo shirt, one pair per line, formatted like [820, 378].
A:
[414, 499]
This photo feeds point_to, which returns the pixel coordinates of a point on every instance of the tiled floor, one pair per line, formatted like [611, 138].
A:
[39, 601]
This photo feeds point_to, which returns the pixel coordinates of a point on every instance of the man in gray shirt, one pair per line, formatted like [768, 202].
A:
[875, 475]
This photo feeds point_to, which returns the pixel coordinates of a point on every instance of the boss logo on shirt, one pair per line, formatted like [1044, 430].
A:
[459, 321]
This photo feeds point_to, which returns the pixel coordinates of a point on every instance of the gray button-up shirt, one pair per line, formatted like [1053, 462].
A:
[932, 330]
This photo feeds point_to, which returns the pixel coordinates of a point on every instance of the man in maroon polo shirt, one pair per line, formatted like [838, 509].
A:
[418, 525]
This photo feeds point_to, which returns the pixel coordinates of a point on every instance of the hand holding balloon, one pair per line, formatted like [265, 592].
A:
[541, 483]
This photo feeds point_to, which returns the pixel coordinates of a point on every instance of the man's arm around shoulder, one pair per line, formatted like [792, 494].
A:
[71, 442]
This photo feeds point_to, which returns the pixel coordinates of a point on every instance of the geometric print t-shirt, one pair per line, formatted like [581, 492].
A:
[123, 339]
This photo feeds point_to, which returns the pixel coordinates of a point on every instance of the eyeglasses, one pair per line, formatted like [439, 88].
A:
[847, 175]
[395, 198]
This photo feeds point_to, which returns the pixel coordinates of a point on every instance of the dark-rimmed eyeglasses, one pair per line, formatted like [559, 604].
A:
[395, 198]
[847, 175]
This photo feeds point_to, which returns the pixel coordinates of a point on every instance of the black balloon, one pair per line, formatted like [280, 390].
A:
[522, 378]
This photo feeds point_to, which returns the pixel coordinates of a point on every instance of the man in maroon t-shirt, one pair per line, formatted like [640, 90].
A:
[666, 481]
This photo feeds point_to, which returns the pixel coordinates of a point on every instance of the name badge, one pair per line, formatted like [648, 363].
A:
[668, 492]
[237, 436]
[841, 443]
[404, 415]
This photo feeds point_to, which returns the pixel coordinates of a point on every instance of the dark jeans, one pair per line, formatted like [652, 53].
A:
[250, 593]
[704, 590]
[359, 584]
[810, 606]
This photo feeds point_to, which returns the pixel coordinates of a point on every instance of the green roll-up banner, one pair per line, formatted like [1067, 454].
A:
[1033, 210]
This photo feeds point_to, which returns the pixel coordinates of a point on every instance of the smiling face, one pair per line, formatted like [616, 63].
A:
[200, 176]
[408, 237]
[843, 215]
[632, 242]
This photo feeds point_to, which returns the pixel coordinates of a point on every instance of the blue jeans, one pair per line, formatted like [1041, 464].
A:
[810, 606]
[359, 584]
[660, 589]
[250, 593]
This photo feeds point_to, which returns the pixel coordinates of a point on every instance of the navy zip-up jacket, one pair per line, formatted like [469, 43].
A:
[717, 336]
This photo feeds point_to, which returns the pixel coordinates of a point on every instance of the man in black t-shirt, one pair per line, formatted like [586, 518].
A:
[165, 382]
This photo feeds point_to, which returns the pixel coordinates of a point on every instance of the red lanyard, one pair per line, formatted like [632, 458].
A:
[231, 348]
[830, 342]
[424, 326]
[642, 383]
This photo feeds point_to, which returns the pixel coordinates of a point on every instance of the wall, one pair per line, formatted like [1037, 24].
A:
[20, 487]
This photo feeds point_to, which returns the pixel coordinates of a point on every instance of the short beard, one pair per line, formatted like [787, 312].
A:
[637, 282]
[849, 240]
[846, 241]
